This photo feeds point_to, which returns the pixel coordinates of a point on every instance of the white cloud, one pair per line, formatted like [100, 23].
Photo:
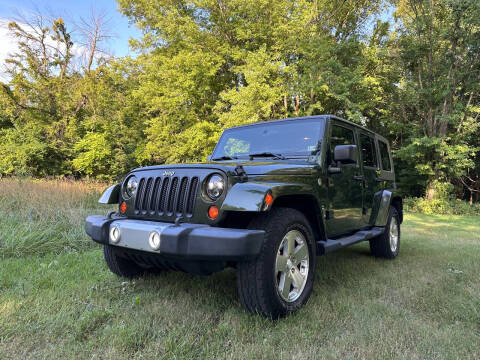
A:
[8, 46]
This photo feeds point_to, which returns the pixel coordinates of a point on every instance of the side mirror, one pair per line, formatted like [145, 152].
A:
[209, 157]
[345, 154]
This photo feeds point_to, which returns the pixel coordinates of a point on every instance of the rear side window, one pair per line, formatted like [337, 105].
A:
[340, 136]
[385, 156]
[368, 151]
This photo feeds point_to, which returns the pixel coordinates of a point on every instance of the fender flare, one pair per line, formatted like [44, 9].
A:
[381, 207]
[110, 195]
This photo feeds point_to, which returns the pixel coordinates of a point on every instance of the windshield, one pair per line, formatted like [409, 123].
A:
[276, 139]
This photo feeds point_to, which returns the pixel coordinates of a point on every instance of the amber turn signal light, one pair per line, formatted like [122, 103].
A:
[269, 199]
[123, 207]
[213, 212]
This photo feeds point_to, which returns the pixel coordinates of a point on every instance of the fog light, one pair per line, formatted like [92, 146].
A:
[114, 234]
[154, 240]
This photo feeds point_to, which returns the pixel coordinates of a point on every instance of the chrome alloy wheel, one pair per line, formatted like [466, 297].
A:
[291, 267]
[393, 234]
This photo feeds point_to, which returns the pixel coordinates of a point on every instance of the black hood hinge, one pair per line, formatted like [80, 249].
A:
[240, 171]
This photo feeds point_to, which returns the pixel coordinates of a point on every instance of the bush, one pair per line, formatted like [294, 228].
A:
[441, 206]
[443, 202]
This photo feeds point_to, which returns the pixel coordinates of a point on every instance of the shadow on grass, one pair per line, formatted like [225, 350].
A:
[217, 293]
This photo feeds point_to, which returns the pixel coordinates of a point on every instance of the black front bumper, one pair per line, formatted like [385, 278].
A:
[183, 241]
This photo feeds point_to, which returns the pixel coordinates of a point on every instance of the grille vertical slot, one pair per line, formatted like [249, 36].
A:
[192, 193]
[171, 195]
[147, 196]
[140, 192]
[181, 195]
[162, 206]
[154, 201]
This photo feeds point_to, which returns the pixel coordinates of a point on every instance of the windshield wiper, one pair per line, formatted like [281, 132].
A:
[267, 154]
[224, 157]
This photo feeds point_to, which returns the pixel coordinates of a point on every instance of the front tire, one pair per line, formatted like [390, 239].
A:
[387, 245]
[280, 279]
[121, 266]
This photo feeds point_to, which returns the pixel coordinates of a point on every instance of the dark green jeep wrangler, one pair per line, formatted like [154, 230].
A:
[271, 198]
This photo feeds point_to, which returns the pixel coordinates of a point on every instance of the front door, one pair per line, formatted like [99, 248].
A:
[345, 190]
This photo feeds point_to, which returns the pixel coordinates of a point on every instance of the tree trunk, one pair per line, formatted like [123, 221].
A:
[92, 51]
[430, 193]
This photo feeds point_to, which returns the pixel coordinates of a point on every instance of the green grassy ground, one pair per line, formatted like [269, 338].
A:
[59, 301]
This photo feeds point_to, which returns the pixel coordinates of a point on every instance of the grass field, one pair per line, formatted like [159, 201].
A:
[59, 301]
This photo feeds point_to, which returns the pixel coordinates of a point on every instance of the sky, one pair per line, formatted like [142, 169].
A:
[69, 10]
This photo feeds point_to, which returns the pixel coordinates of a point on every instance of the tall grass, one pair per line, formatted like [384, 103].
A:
[43, 216]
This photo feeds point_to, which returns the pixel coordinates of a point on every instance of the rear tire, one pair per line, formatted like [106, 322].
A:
[387, 245]
[280, 280]
[121, 266]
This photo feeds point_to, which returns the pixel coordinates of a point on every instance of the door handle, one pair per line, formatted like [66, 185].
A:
[358, 177]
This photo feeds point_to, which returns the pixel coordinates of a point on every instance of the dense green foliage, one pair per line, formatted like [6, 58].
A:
[205, 65]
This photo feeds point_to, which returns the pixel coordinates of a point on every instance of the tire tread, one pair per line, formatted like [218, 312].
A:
[380, 246]
[120, 266]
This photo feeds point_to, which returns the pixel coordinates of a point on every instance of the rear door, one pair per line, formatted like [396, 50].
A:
[344, 189]
[371, 171]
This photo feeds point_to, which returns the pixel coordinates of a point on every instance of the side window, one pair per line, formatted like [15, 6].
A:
[368, 151]
[384, 155]
[340, 136]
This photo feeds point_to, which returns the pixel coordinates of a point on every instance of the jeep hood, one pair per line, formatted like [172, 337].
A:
[283, 167]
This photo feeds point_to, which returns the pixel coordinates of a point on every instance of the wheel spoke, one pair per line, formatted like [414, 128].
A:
[291, 243]
[281, 264]
[301, 253]
[284, 285]
[297, 278]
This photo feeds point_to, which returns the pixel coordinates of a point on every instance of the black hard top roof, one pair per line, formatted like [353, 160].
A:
[312, 117]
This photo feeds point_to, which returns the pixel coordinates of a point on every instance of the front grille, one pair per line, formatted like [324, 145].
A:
[166, 196]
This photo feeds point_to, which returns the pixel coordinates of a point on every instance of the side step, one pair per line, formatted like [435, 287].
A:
[325, 247]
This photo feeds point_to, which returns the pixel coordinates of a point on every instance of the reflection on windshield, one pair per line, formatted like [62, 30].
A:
[287, 138]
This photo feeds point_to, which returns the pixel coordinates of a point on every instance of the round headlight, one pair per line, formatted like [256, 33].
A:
[131, 188]
[215, 186]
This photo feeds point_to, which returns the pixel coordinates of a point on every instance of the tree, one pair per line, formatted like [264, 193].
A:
[230, 63]
[37, 98]
[439, 49]
[205, 65]
[94, 33]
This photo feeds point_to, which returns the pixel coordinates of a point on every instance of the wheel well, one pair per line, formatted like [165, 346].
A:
[308, 206]
[397, 203]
